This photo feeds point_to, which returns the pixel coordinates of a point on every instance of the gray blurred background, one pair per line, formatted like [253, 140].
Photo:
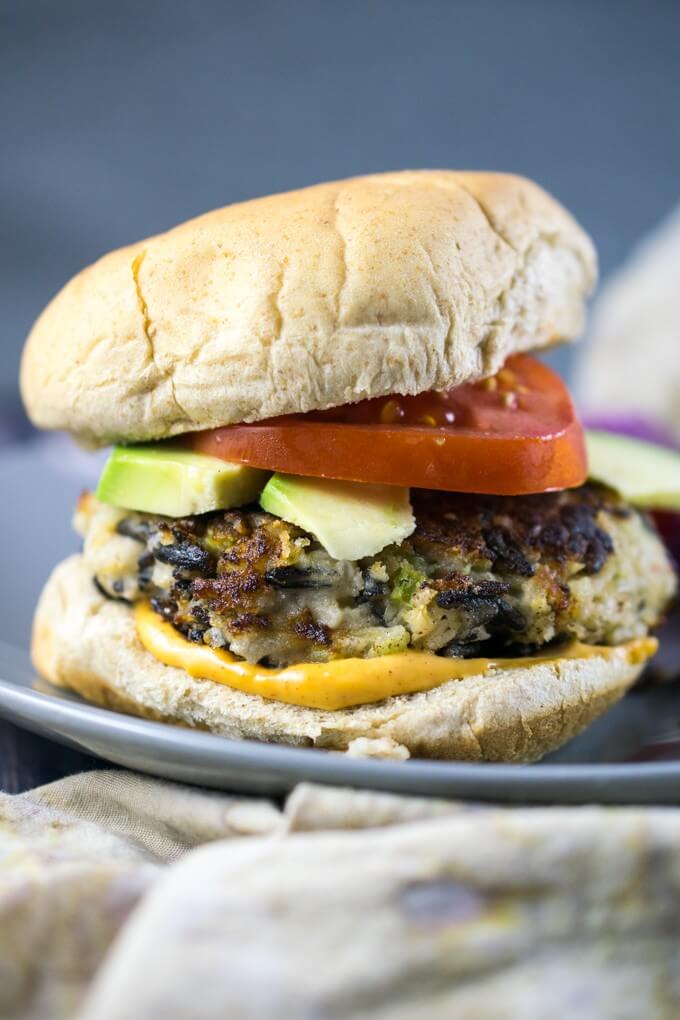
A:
[121, 118]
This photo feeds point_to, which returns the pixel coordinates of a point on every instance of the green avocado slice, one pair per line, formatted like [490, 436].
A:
[350, 519]
[174, 482]
[645, 474]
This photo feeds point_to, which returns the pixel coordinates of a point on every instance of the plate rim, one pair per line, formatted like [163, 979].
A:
[82, 718]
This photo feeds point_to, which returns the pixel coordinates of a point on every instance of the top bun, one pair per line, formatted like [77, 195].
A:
[394, 283]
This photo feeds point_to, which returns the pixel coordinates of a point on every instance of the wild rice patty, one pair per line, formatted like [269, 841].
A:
[480, 575]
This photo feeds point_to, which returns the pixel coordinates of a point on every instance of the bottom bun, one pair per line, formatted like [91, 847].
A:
[85, 642]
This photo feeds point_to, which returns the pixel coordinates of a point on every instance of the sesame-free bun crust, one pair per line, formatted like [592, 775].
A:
[395, 283]
[88, 643]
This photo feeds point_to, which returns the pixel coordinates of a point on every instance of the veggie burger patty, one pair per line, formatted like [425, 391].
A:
[480, 575]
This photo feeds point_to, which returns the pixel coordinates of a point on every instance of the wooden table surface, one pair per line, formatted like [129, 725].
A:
[27, 760]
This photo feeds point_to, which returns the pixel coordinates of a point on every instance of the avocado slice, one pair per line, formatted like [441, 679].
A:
[174, 482]
[645, 474]
[350, 519]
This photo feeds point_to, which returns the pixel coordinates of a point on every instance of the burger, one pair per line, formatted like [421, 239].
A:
[345, 508]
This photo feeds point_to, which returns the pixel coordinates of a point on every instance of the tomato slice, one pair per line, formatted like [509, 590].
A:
[512, 434]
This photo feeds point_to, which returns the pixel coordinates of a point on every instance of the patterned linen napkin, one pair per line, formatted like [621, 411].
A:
[127, 898]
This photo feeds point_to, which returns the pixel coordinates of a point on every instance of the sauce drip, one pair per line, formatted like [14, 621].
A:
[344, 683]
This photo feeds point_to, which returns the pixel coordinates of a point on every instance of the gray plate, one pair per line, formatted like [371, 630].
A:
[197, 757]
[597, 766]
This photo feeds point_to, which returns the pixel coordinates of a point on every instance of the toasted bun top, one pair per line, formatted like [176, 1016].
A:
[395, 283]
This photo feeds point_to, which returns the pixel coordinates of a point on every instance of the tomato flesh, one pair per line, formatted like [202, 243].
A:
[513, 434]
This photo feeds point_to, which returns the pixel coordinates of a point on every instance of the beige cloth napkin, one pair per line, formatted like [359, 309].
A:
[127, 898]
[631, 365]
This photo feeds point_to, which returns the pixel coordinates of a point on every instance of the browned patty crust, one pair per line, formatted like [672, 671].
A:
[480, 575]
